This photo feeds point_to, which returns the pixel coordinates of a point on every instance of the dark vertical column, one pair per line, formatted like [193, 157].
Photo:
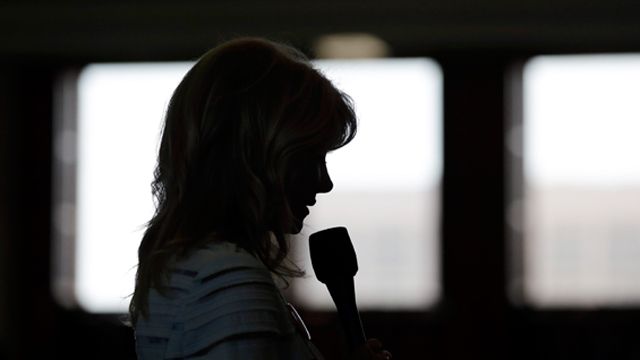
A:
[34, 325]
[26, 112]
[4, 231]
[474, 270]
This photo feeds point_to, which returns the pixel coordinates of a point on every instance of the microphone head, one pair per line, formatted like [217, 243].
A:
[332, 254]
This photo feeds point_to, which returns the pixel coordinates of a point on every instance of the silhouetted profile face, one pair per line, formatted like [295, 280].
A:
[308, 176]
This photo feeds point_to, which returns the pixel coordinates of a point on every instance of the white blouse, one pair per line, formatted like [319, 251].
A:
[222, 303]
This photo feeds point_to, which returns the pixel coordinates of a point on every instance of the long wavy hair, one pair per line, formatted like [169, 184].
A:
[231, 130]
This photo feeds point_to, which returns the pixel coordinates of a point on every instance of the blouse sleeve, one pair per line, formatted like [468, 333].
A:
[234, 312]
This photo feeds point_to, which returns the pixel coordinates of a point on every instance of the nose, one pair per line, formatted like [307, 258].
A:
[325, 184]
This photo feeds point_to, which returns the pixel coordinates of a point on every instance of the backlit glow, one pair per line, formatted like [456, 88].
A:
[386, 181]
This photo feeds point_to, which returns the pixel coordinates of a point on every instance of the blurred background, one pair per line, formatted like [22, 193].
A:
[492, 193]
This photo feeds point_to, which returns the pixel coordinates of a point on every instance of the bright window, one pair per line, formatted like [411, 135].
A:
[582, 180]
[386, 182]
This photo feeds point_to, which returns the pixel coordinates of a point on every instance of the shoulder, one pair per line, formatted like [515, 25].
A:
[232, 295]
[222, 270]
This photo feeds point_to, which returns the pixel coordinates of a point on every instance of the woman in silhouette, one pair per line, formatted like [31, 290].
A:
[242, 157]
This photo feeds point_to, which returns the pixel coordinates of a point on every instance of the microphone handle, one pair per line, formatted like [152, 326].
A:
[343, 294]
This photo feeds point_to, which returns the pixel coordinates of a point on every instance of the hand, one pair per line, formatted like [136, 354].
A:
[371, 350]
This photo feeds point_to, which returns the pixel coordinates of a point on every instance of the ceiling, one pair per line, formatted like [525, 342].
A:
[165, 30]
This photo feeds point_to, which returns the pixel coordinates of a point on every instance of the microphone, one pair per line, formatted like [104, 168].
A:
[334, 262]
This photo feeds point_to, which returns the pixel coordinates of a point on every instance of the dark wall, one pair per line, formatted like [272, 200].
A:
[26, 93]
[152, 30]
[476, 44]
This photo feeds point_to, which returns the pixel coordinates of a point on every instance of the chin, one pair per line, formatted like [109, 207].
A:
[298, 223]
[297, 228]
